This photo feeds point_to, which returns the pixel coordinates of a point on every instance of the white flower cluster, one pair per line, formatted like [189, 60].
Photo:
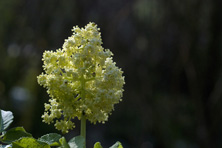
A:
[81, 79]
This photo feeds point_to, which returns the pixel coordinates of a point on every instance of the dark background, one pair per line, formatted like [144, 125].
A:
[170, 52]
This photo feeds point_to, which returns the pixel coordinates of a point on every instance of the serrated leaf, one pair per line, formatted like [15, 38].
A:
[63, 143]
[6, 118]
[97, 145]
[52, 139]
[29, 142]
[14, 134]
[117, 145]
[77, 142]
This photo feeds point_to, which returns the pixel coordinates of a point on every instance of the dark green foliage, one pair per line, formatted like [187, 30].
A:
[14, 134]
[51, 139]
[77, 142]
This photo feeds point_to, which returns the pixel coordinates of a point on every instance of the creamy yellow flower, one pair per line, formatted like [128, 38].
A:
[81, 78]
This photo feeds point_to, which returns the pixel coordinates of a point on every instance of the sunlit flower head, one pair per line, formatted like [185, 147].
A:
[81, 79]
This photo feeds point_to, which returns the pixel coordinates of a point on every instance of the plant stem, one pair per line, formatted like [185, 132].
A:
[83, 128]
[83, 118]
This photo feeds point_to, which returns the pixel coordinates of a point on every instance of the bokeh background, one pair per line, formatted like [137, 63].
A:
[170, 52]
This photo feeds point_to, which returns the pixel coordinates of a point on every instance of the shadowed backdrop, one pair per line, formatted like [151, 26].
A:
[170, 52]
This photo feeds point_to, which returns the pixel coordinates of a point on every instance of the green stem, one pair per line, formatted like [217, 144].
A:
[83, 128]
[83, 118]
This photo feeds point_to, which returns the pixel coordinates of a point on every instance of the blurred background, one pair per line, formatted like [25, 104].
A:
[170, 52]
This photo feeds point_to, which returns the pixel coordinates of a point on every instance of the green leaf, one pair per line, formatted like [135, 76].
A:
[14, 134]
[77, 142]
[63, 143]
[6, 146]
[6, 118]
[117, 145]
[97, 145]
[52, 139]
[28, 142]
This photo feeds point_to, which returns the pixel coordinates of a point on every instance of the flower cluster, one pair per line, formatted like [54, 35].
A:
[81, 79]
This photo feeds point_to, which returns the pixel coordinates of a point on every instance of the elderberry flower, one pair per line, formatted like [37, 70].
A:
[81, 79]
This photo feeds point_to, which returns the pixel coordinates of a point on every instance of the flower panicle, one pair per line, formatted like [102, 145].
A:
[80, 78]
